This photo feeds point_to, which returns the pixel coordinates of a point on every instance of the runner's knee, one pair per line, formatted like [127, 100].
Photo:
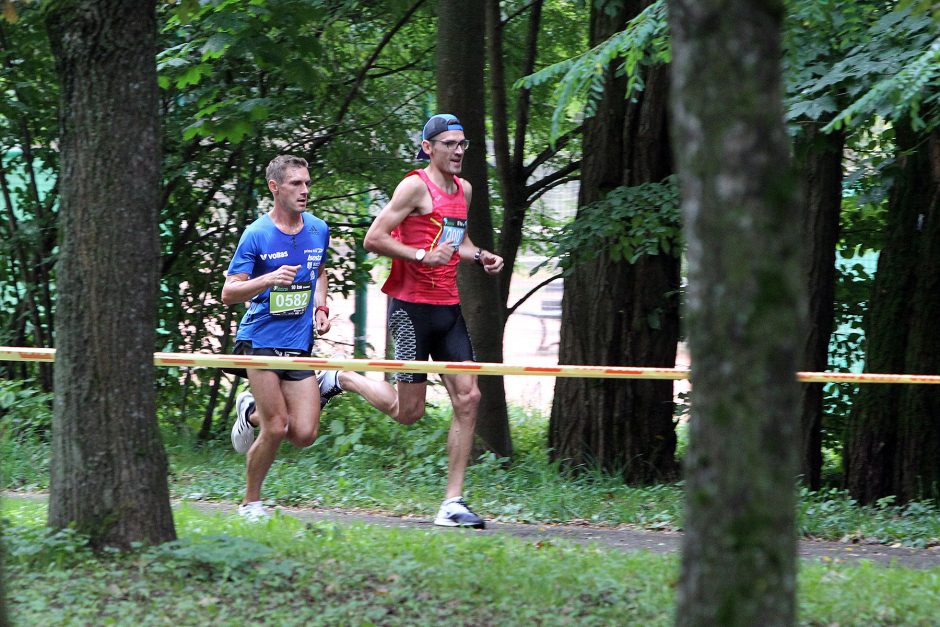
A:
[410, 414]
[303, 440]
[466, 401]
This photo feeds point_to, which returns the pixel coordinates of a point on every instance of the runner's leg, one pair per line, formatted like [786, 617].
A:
[379, 394]
[465, 397]
[303, 410]
[271, 412]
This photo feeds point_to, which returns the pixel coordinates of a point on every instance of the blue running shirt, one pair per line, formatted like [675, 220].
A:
[263, 248]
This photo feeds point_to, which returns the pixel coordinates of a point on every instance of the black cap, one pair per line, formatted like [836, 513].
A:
[435, 126]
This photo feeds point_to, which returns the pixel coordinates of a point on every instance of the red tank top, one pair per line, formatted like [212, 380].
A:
[415, 282]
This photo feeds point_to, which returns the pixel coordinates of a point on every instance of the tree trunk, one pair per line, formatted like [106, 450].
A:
[820, 162]
[109, 468]
[460, 90]
[918, 470]
[745, 303]
[616, 312]
[893, 433]
[4, 621]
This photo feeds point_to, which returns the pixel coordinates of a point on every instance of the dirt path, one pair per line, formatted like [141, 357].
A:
[622, 539]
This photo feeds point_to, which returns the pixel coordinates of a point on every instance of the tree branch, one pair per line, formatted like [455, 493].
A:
[361, 77]
[552, 150]
[512, 310]
[548, 180]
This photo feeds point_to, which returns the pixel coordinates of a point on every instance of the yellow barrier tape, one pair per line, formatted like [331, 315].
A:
[205, 360]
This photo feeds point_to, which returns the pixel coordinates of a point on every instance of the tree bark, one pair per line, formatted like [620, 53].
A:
[894, 431]
[745, 303]
[617, 312]
[460, 91]
[918, 471]
[820, 163]
[109, 468]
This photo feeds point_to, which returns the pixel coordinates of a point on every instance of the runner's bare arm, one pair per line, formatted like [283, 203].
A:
[320, 317]
[410, 194]
[490, 261]
[239, 288]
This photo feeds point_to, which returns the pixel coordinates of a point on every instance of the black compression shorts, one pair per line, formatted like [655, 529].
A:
[421, 331]
[243, 347]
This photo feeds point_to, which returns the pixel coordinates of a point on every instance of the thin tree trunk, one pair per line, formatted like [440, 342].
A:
[109, 468]
[460, 91]
[745, 303]
[820, 161]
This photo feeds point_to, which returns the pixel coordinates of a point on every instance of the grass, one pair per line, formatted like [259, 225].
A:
[362, 461]
[223, 571]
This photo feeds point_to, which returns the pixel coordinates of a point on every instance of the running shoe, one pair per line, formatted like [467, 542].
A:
[253, 512]
[243, 433]
[329, 386]
[455, 513]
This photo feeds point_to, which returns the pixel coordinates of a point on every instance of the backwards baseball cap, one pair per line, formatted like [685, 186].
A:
[436, 125]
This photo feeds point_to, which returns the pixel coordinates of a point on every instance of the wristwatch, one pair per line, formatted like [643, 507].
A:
[419, 255]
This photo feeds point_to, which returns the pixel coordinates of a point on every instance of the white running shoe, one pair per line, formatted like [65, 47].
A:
[455, 513]
[329, 386]
[243, 433]
[253, 512]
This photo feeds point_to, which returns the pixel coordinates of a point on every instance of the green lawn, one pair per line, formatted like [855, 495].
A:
[224, 571]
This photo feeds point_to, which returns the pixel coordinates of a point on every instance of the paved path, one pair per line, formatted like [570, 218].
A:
[622, 539]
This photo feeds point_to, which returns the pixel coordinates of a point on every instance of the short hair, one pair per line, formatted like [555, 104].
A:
[280, 164]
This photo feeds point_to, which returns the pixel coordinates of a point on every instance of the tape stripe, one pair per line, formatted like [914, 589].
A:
[204, 360]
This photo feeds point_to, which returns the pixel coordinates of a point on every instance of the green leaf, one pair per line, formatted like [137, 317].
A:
[216, 46]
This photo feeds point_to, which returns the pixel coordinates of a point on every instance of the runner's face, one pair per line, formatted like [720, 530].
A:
[445, 160]
[291, 193]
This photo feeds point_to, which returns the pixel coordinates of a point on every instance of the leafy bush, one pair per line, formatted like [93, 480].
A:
[25, 411]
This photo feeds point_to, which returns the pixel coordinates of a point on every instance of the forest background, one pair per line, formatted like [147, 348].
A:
[561, 91]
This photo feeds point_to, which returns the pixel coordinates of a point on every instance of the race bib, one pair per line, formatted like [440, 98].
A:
[290, 300]
[453, 231]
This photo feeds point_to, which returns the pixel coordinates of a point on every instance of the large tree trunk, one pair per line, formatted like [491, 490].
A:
[918, 469]
[820, 162]
[745, 302]
[109, 468]
[460, 90]
[616, 312]
[894, 433]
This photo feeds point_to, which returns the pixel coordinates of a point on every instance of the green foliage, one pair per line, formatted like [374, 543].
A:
[631, 221]
[28, 163]
[849, 63]
[818, 36]
[833, 514]
[25, 411]
[861, 231]
[643, 42]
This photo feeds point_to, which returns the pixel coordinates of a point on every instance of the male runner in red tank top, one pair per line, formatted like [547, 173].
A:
[423, 229]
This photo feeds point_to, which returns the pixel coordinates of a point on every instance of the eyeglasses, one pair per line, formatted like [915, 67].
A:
[451, 144]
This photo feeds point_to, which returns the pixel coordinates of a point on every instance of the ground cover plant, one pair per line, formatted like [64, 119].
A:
[225, 571]
[366, 461]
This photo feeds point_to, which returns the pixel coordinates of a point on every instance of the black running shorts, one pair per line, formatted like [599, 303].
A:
[421, 331]
[243, 347]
